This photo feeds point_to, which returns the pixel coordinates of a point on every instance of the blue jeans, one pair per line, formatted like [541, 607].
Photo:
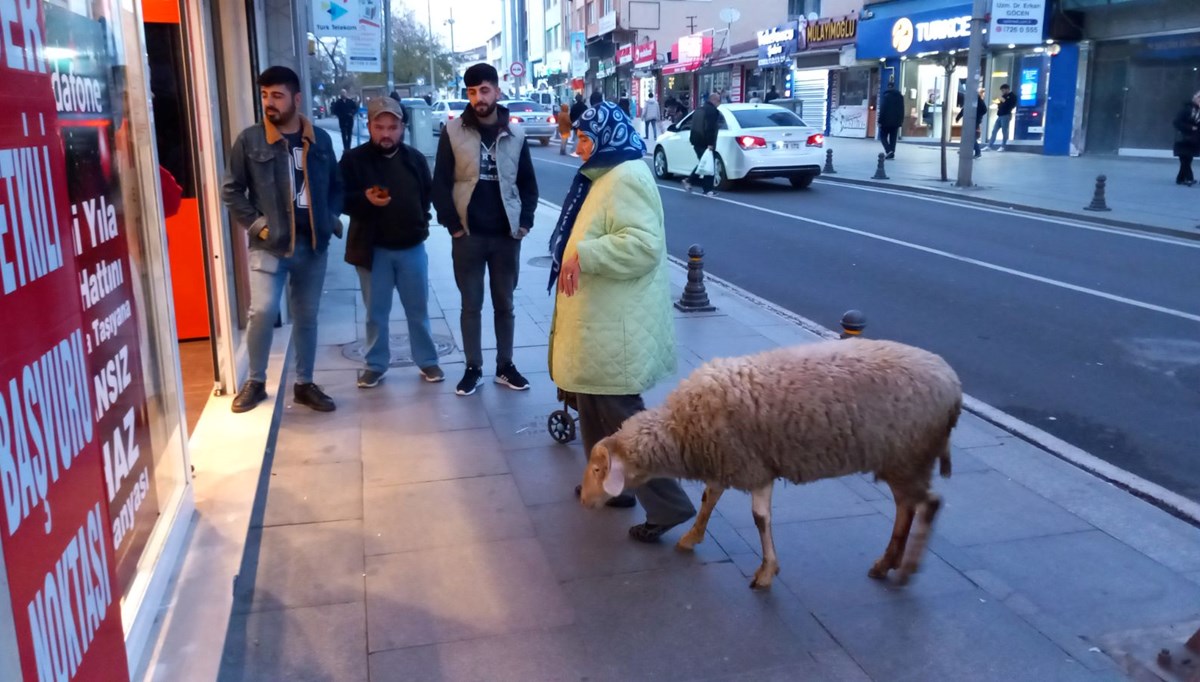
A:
[304, 273]
[1000, 126]
[406, 271]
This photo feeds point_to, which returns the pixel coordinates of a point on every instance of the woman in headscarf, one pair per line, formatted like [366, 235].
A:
[613, 334]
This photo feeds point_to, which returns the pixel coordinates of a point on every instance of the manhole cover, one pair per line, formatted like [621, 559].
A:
[541, 261]
[401, 353]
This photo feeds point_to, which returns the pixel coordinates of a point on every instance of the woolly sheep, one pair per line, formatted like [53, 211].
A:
[804, 413]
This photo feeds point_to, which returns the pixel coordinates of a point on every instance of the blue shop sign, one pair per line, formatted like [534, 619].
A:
[901, 34]
[777, 45]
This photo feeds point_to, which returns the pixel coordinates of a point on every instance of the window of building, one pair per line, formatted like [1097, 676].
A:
[591, 13]
[803, 8]
[608, 7]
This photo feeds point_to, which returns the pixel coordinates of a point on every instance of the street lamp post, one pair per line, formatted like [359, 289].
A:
[432, 80]
[453, 53]
[966, 150]
[387, 46]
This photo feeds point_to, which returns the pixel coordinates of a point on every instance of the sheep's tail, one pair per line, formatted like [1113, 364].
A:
[944, 455]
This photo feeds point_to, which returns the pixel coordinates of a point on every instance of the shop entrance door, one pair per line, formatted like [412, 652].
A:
[1106, 111]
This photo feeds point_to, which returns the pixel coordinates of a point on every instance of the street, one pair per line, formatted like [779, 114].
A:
[1088, 333]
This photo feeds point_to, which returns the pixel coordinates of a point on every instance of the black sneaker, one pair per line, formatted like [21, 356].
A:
[369, 378]
[510, 377]
[311, 395]
[469, 381]
[433, 374]
[252, 393]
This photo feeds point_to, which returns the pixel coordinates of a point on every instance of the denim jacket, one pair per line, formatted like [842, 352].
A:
[258, 187]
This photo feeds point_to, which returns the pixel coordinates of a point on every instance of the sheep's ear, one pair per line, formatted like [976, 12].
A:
[614, 482]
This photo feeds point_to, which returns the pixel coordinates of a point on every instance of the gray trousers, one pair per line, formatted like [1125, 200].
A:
[663, 499]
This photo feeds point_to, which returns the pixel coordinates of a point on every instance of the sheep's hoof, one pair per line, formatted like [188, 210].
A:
[904, 573]
[763, 577]
[689, 541]
[878, 572]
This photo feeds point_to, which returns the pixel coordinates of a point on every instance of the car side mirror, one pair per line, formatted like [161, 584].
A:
[672, 129]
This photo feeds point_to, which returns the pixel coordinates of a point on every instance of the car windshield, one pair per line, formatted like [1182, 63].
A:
[457, 105]
[523, 106]
[773, 117]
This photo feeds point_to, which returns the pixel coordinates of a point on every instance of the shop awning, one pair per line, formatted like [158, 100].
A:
[737, 58]
[680, 67]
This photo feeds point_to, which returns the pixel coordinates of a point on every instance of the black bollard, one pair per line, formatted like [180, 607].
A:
[1098, 203]
[695, 298]
[879, 174]
[828, 169]
[853, 324]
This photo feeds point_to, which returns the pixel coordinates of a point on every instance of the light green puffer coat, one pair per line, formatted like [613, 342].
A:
[616, 335]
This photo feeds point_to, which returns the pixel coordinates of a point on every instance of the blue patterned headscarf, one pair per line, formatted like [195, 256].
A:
[614, 141]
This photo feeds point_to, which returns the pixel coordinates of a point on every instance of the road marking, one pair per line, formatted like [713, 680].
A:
[962, 259]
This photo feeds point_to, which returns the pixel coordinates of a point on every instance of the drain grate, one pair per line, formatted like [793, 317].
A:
[541, 261]
[401, 353]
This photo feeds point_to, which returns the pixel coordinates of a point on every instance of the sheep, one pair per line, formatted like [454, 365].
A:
[804, 413]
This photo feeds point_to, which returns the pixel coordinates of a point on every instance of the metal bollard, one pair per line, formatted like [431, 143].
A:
[879, 173]
[1098, 196]
[853, 324]
[828, 169]
[695, 298]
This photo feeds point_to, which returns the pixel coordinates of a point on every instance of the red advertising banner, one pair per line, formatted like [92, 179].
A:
[72, 404]
[645, 54]
[624, 55]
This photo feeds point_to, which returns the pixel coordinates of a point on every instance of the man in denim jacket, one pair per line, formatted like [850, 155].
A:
[284, 187]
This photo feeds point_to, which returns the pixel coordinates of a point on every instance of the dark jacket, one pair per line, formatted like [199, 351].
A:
[705, 126]
[345, 109]
[364, 167]
[981, 108]
[1187, 141]
[891, 109]
[258, 187]
[577, 110]
[1007, 104]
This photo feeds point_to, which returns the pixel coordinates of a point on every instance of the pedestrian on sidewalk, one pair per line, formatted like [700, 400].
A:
[345, 108]
[772, 95]
[283, 185]
[1187, 142]
[1004, 110]
[485, 193]
[927, 112]
[564, 121]
[609, 262]
[577, 110]
[703, 137]
[891, 117]
[650, 114]
[387, 186]
[981, 108]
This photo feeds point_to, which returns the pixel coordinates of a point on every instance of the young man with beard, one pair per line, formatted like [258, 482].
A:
[485, 194]
[387, 188]
[283, 186]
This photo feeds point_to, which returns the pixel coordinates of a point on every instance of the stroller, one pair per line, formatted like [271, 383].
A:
[561, 424]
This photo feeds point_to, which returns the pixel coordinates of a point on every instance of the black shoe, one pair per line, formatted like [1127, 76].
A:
[369, 378]
[469, 381]
[252, 393]
[311, 395]
[890, 155]
[510, 377]
[433, 374]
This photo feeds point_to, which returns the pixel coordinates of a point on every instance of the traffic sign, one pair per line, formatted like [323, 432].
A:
[517, 69]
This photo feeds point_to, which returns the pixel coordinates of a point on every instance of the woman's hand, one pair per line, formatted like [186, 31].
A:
[568, 276]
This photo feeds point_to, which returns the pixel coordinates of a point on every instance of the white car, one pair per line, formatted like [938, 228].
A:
[445, 110]
[754, 141]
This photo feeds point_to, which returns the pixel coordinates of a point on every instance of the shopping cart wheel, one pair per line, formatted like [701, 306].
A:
[561, 426]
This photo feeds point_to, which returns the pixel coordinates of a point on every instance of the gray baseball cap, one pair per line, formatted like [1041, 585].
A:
[384, 105]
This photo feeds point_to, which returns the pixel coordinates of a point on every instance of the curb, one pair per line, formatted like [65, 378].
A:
[996, 203]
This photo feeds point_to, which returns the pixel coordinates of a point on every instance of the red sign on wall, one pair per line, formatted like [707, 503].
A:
[70, 373]
[645, 54]
[624, 55]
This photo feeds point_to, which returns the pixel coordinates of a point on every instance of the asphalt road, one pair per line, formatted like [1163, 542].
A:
[1092, 335]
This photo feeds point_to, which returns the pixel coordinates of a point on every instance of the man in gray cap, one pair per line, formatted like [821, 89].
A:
[387, 185]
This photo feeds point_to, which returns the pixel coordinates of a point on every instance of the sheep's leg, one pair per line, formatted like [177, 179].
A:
[708, 502]
[905, 512]
[926, 511]
[760, 505]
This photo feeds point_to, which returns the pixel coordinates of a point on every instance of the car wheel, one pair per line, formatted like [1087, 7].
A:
[660, 164]
[721, 180]
[801, 181]
[545, 142]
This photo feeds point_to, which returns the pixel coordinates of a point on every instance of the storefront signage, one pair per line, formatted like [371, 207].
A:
[690, 52]
[76, 462]
[608, 23]
[831, 32]
[342, 18]
[364, 48]
[624, 55]
[777, 45]
[929, 31]
[606, 68]
[1018, 22]
[579, 58]
[645, 54]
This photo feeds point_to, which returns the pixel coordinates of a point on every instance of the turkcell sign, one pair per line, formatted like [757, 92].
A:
[777, 45]
[900, 35]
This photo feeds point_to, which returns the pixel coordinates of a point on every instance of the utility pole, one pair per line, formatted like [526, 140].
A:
[947, 62]
[432, 80]
[453, 53]
[966, 149]
[387, 46]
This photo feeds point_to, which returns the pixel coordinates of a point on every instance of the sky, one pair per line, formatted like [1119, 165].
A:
[474, 20]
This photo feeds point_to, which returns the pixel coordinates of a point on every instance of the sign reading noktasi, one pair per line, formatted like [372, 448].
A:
[1019, 22]
[892, 32]
[777, 45]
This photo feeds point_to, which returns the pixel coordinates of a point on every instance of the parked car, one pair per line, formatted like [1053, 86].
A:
[535, 119]
[754, 141]
[446, 110]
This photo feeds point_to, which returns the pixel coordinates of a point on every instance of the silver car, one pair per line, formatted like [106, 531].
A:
[445, 111]
[535, 119]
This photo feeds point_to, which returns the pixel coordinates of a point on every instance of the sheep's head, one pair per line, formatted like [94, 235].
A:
[608, 473]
